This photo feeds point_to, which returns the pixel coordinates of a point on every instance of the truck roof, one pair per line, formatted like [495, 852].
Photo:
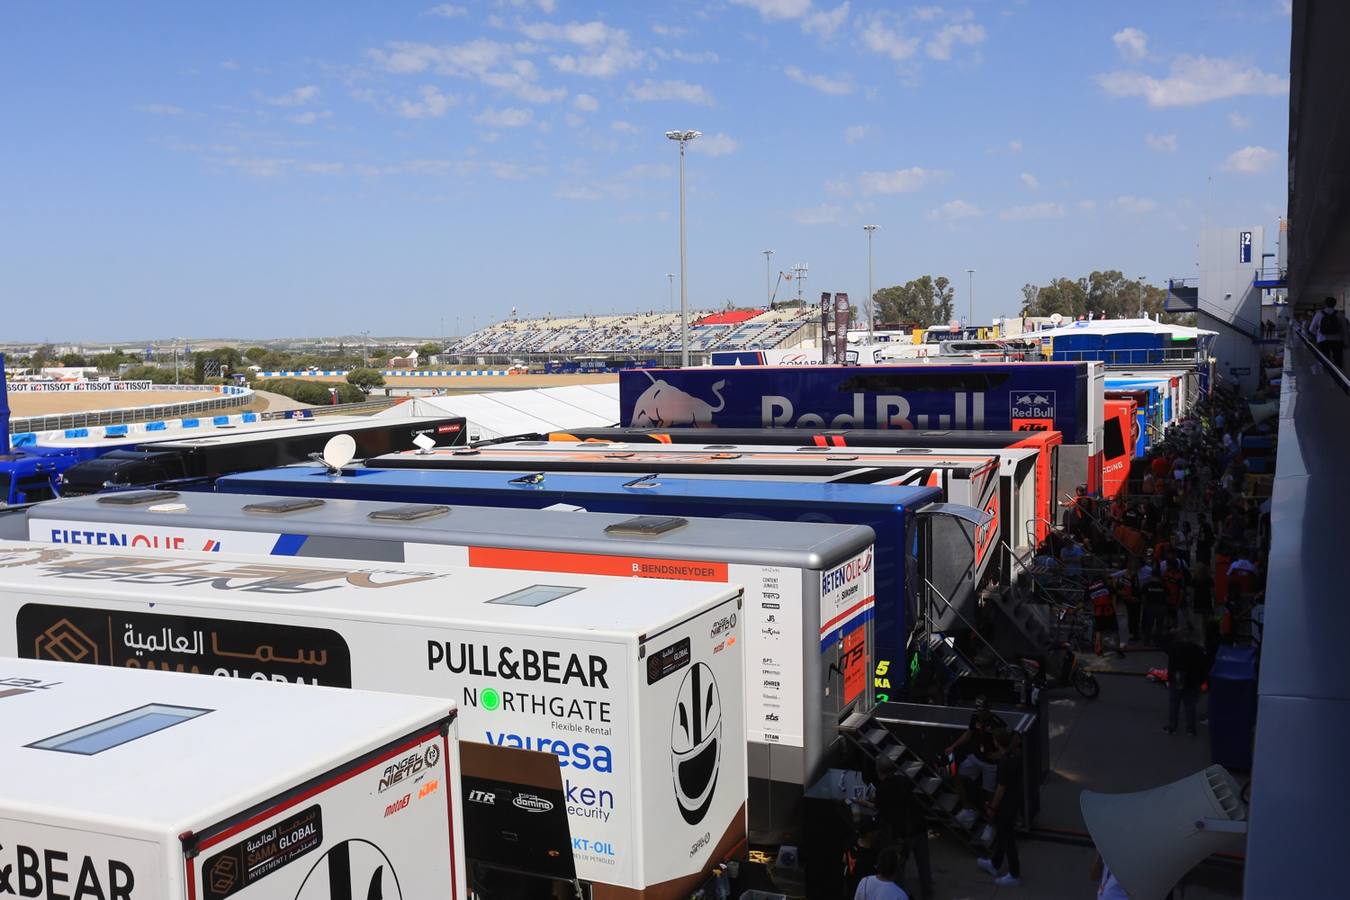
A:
[178, 430]
[238, 742]
[309, 480]
[483, 600]
[803, 545]
[345, 425]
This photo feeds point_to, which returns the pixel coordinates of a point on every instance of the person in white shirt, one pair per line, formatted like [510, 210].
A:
[882, 886]
[1108, 888]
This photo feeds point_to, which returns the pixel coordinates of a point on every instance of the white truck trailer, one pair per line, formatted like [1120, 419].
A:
[808, 589]
[633, 687]
[126, 785]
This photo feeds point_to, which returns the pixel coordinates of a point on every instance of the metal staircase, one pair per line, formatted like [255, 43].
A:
[932, 788]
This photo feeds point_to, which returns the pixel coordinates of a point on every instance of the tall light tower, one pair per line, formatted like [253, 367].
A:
[682, 138]
[871, 317]
[768, 288]
[970, 273]
[1141, 296]
[799, 272]
[670, 276]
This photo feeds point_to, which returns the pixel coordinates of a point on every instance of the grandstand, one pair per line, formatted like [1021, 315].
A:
[648, 335]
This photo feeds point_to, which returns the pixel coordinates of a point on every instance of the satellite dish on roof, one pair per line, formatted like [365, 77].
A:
[424, 443]
[340, 450]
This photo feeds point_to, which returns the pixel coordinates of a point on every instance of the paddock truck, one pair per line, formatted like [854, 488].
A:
[637, 704]
[137, 785]
[924, 547]
[809, 595]
[949, 396]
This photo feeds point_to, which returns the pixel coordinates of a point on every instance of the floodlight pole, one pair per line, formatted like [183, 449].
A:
[768, 288]
[970, 288]
[682, 138]
[871, 317]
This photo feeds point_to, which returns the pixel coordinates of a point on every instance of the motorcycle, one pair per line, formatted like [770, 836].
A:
[1062, 668]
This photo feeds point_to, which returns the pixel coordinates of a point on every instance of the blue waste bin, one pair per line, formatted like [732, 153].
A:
[1232, 707]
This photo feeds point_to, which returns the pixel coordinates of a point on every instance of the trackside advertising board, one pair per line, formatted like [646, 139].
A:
[130, 785]
[638, 702]
[809, 654]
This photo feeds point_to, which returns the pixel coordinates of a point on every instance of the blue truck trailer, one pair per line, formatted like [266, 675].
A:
[910, 523]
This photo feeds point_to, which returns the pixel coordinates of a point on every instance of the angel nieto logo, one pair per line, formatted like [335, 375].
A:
[696, 742]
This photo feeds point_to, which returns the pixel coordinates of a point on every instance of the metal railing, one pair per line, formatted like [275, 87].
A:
[128, 415]
[337, 409]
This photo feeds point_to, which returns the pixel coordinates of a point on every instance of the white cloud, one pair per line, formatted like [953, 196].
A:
[897, 181]
[1192, 80]
[431, 104]
[583, 34]
[1031, 181]
[1131, 43]
[230, 65]
[715, 145]
[607, 49]
[310, 117]
[824, 214]
[1250, 160]
[940, 46]
[687, 56]
[953, 210]
[1014, 146]
[1044, 210]
[1135, 205]
[297, 97]
[670, 31]
[605, 64]
[1239, 121]
[492, 63]
[585, 103]
[161, 109]
[1087, 205]
[677, 91]
[505, 118]
[855, 133]
[777, 10]
[880, 34]
[825, 23]
[578, 193]
[322, 168]
[448, 11]
[623, 127]
[825, 84]
[1163, 143]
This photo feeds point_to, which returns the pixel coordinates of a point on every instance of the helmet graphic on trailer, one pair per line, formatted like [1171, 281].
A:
[696, 742]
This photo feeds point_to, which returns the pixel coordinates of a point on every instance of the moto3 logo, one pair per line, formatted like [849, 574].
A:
[352, 870]
[696, 742]
[663, 406]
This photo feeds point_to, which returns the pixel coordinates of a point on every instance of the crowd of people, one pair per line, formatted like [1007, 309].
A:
[1177, 565]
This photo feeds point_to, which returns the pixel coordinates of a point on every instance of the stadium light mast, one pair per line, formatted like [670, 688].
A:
[799, 272]
[682, 138]
[671, 277]
[970, 273]
[871, 316]
[768, 288]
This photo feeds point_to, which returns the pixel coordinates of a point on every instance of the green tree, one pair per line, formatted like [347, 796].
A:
[923, 301]
[73, 359]
[254, 354]
[109, 362]
[365, 379]
[430, 348]
[41, 357]
[1105, 293]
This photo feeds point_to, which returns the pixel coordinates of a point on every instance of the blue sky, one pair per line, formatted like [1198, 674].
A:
[308, 168]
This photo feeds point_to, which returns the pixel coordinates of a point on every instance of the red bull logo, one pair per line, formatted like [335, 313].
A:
[664, 406]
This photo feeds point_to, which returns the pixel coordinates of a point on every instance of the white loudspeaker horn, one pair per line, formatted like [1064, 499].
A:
[1150, 839]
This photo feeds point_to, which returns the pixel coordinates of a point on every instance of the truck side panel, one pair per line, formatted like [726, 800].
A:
[39, 860]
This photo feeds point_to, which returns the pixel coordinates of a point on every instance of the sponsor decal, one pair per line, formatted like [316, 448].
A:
[1032, 410]
[579, 755]
[492, 699]
[597, 564]
[487, 798]
[668, 660]
[531, 803]
[96, 538]
[11, 686]
[43, 872]
[262, 853]
[853, 652]
[664, 406]
[408, 767]
[696, 742]
[517, 664]
[259, 651]
[353, 869]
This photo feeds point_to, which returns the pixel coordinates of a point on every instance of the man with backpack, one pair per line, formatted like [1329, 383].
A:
[1329, 331]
